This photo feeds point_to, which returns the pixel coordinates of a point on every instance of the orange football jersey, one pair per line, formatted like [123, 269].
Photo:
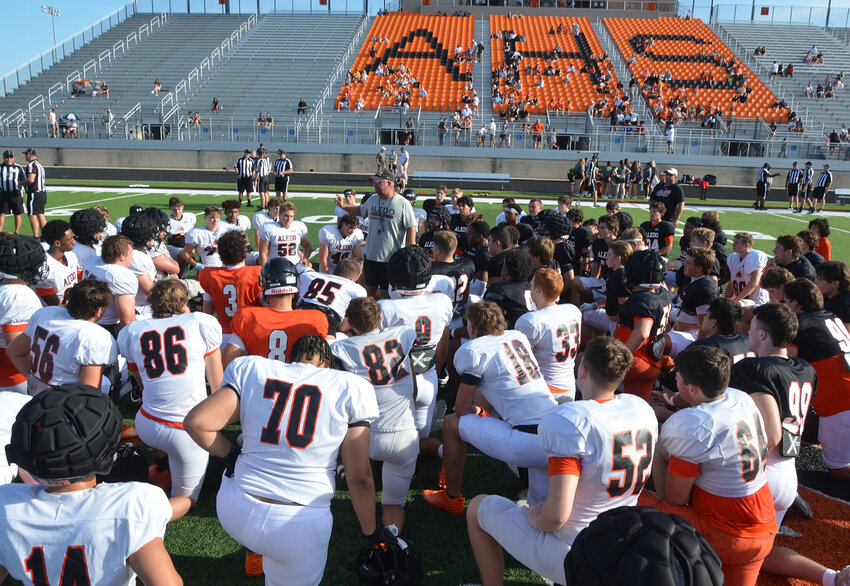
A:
[230, 290]
[271, 333]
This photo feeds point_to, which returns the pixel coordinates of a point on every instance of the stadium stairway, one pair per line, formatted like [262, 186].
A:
[481, 70]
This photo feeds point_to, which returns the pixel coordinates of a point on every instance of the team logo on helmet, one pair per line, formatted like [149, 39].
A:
[279, 277]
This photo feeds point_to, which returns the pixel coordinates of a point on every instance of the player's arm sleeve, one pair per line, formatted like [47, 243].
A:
[148, 513]
[99, 350]
[561, 437]
[469, 364]
[234, 374]
[525, 325]
[124, 286]
[125, 344]
[210, 331]
[684, 438]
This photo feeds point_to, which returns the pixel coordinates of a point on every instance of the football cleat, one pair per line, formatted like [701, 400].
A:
[842, 578]
[440, 499]
[801, 506]
[253, 564]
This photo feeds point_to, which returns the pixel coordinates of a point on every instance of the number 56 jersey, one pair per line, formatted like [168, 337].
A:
[169, 356]
[294, 419]
[609, 445]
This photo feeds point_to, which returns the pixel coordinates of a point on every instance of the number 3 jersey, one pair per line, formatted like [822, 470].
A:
[555, 334]
[723, 446]
[230, 289]
[428, 316]
[60, 345]
[267, 332]
[380, 357]
[609, 445]
[81, 537]
[169, 354]
[507, 374]
[294, 419]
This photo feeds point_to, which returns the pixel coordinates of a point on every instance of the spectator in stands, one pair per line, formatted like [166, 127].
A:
[302, 107]
[156, 88]
[216, 106]
[104, 89]
[52, 123]
[810, 92]
[269, 120]
[789, 71]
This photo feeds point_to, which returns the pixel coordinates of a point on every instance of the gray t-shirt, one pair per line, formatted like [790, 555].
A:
[388, 222]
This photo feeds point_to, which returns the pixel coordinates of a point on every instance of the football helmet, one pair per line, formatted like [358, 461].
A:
[161, 219]
[142, 231]
[136, 209]
[439, 218]
[129, 465]
[645, 268]
[552, 224]
[409, 194]
[621, 540]
[85, 224]
[66, 434]
[279, 277]
[23, 257]
[389, 562]
[410, 270]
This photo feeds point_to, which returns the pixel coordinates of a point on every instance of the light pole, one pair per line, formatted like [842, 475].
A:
[53, 12]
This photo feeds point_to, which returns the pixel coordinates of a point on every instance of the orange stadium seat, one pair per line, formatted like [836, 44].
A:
[684, 48]
[425, 45]
[581, 91]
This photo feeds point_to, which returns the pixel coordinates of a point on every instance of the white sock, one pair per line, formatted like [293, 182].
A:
[829, 578]
[440, 451]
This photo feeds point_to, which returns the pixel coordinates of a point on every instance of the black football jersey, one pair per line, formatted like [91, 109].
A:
[655, 305]
[791, 381]
[823, 340]
[736, 346]
[615, 287]
[814, 258]
[513, 298]
[698, 293]
[462, 271]
[802, 268]
[458, 225]
[481, 258]
[599, 253]
[426, 243]
[565, 256]
[581, 238]
[839, 305]
[659, 235]
[495, 264]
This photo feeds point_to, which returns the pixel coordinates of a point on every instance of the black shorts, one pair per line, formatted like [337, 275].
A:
[792, 190]
[11, 202]
[263, 184]
[761, 189]
[819, 193]
[245, 184]
[376, 274]
[281, 184]
[36, 202]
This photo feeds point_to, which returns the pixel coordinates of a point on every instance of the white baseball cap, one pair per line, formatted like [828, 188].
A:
[672, 171]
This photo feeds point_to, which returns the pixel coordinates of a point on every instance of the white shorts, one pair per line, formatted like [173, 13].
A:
[681, 340]
[292, 539]
[186, 459]
[597, 318]
[426, 399]
[20, 388]
[782, 479]
[499, 440]
[834, 436]
[542, 552]
[398, 451]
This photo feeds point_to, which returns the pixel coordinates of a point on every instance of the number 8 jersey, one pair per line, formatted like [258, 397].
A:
[169, 354]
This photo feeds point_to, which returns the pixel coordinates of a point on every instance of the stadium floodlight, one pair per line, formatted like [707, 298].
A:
[53, 12]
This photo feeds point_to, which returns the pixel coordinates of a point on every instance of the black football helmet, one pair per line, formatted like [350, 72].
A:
[645, 267]
[142, 230]
[136, 209]
[552, 225]
[23, 257]
[129, 465]
[161, 219]
[391, 562]
[279, 277]
[410, 270]
[86, 223]
[439, 218]
[409, 194]
[66, 434]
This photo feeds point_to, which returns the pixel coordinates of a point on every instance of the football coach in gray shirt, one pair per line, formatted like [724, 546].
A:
[392, 225]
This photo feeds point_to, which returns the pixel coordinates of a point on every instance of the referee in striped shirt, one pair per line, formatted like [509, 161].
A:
[245, 176]
[262, 169]
[792, 184]
[282, 171]
[763, 180]
[12, 177]
[822, 186]
[36, 192]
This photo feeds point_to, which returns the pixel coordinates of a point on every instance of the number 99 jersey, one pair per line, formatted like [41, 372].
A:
[294, 418]
[612, 442]
[507, 374]
[169, 356]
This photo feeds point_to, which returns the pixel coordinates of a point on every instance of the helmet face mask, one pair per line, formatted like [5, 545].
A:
[439, 218]
[162, 223]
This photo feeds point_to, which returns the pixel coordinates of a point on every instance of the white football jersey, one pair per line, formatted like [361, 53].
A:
[555, 335]
[339, 247]
[182, 226]
[169, 356]
[60, 345]
[380, 357]
[120, 279]
[81, 537]
[284, 242]
[111, 230]
[205, 241]
[507, 375]
[740, 270]
[428, 316]
[84, 253]
[362, 223]
[141, 263]
[715, 435]
[243, 223]
[117, 224]
[614, 442]
[60, 277]
[10, 404]
[261, 218]
[17, 304]
[294, 418]
[328, 291]
[438, 284]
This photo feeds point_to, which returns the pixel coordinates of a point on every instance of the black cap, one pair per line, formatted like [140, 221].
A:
[281, 152]
[8, 154]
[247, 151]
[32, 152]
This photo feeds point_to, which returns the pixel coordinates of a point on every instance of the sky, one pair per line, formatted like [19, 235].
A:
[35, 34]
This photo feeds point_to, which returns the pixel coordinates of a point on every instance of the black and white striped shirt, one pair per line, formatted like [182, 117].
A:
[590, 171]
[11, 177]
[795, 176]
[807, 178]
[262, 166]
[824, 179]
[282, 165]
[763, 175]
[38, 184]
[245, 166]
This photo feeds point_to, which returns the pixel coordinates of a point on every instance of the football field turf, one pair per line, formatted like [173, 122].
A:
[204, 554]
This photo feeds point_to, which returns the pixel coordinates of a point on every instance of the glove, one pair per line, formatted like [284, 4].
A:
[230, 460]
[199, 267]
[381, 534]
